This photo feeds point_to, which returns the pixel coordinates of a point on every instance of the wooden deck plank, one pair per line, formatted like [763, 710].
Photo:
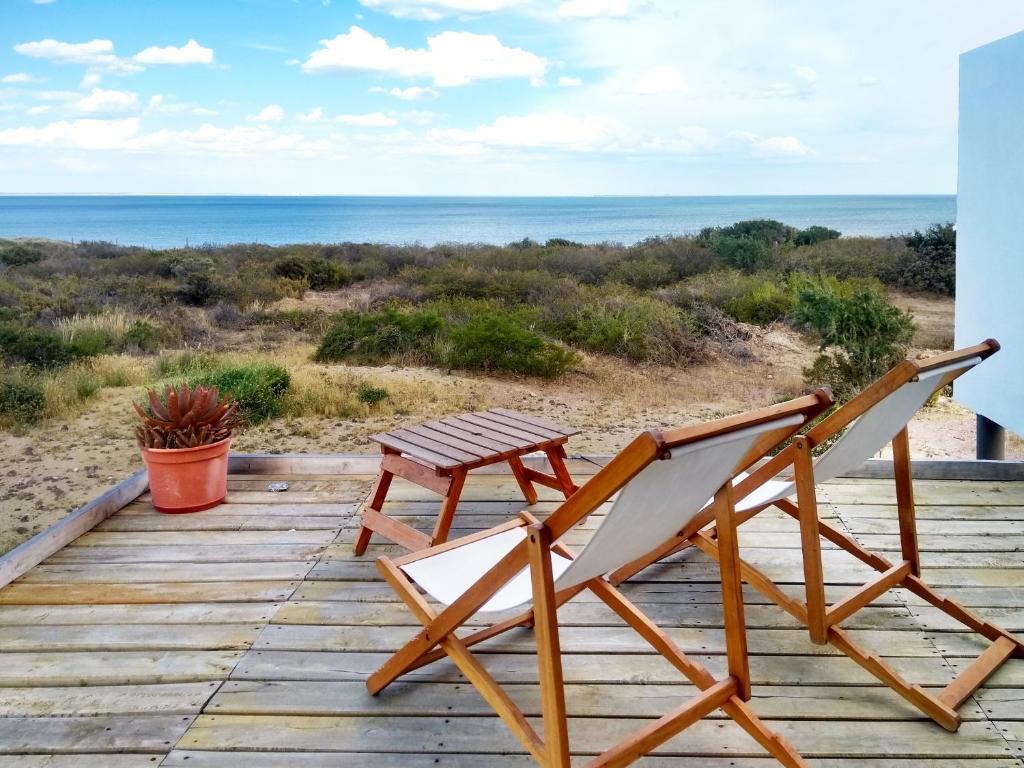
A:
[42, 669]
[68, 735]
[65, 701]
[135, 613]
[305, 697]
[484, 735]
[103, 573]
[166, 592]
[128, 637]
[184, 553]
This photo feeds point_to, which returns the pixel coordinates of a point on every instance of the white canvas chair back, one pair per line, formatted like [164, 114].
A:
[867, 435]
[661, 499]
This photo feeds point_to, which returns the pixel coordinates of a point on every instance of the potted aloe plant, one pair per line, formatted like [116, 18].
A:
[184, 440]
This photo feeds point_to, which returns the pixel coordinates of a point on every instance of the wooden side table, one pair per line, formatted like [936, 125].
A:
[438, 455]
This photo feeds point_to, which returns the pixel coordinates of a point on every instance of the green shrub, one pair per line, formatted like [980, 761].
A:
[744, 253]
[764, 304]
[929, 263]
[375, 337]
[32, 346]
[319, 274]
[496, 341]
[257, 388]
[89, 342]
[768, 232]
[643, 274]
[862, 335]
[370, 395]
[866, 257]
[639, 328]
[814, 235]
[20, 254]
[21, 401]
[141, 336]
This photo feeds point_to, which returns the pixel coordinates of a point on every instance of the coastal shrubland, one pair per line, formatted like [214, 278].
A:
[78, 318]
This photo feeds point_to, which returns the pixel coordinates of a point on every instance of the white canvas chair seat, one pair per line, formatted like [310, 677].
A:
[447, 575]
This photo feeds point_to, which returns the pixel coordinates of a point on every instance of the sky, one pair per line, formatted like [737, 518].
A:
[486, 97]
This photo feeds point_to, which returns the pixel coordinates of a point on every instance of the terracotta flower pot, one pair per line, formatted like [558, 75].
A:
[188, 479]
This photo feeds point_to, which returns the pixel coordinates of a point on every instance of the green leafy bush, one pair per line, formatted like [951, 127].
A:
[375, 337]
[639, 328]
[765, 303]
[257, 388]
[33, 347]
[370, 395]
[319, 274]
[768, 232]
[496, 341]
[20, 254]
[814, 235]
[862, 335]
[21, 401]
[744, 253]
[643, 274]
[929, 263]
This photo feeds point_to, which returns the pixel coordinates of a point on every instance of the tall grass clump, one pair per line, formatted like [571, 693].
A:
[22, 401]
[376, 337]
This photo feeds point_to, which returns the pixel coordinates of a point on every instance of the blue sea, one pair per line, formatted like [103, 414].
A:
[171, 221]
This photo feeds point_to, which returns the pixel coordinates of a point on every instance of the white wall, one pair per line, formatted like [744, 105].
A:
[990, 228]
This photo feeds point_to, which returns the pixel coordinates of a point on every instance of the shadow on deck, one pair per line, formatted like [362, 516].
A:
[242, 636]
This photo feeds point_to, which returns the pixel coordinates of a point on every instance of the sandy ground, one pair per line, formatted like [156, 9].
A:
[57, 467]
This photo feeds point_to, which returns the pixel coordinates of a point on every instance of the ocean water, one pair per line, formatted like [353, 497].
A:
[171, 221]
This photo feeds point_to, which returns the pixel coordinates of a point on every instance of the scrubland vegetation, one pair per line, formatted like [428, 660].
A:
[77, 318]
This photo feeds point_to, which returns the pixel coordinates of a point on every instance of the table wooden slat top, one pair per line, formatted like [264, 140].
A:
[474, 439]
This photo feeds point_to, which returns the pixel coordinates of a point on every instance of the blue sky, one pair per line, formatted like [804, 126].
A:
[485, 96]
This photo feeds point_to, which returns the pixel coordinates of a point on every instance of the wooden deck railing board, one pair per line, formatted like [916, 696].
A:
[264, 632]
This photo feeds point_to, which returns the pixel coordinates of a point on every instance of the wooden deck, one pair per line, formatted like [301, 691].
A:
[242, 636]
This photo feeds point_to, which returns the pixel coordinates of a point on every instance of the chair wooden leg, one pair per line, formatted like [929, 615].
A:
[556, 458]
[905, 500]
[448, 506]
[810, 541]
[549, 654]
[380, 492]
[732, 591]
[519, 473]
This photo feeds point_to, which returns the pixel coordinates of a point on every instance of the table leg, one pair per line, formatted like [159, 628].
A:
[556, 457]
[519, 472]
[380, 492]
[451, 501]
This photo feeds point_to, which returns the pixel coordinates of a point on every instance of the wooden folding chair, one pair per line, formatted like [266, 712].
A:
[522, 563]
[876, 416]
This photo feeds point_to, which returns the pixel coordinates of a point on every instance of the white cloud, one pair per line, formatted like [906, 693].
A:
[41, 109]
[43, 2]
[370, 120]
[100, 101]
[569, 82]
[593, 9]
[868, 82]
[539, 130]
[18, 78]
[271, 114]
[97, 53]
[775, 146]
[123, 135]
[78, 134]
[90, 80]
[433, 10]
[190, 53]
[314, 115]
[659, 79]
[412, 93]
[450, 58]
[805, 73]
